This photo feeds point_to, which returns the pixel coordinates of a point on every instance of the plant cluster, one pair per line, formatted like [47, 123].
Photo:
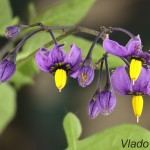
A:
[130, 79]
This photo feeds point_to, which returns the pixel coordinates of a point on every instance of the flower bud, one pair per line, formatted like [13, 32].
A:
[93, 109]
[7, 70]
[107, 102]
[85, 75]
[12, 31]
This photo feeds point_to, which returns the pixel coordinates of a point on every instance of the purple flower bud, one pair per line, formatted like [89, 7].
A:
[107, 102]
[93, 108]
[13, 31]
[85, 75]
[7, 70]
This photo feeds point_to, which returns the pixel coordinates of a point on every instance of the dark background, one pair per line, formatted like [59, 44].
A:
[41, 108]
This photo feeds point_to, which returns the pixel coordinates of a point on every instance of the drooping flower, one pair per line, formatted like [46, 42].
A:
[93, 109]
[58, 63]
[7, 70]
[85, 75]
[8, 67]
[122, 84]
[133, 50]
[107, 102]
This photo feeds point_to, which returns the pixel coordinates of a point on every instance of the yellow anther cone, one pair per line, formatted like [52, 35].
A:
[135, 69]
[137, 103]
[60, 79]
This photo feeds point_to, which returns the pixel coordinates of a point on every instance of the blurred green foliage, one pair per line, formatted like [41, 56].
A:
[109, 139]
[7, 19]
[7, 105]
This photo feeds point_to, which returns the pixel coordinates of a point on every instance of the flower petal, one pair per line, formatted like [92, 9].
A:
[74, 57]
[120, 81]
[142, 84]
[114, 48]
[74, 74]
[145, 56]
[42, 59]
[134, 46]
[93, 109]
[57, 54]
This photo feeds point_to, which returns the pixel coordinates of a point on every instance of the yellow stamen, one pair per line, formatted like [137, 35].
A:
[60, 79]
[135, 69]
[137, 103]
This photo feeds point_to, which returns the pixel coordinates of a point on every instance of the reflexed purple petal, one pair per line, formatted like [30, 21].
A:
[42, 59]
[93, 110]
[146, 57]
[74, 74]
[142, 84]
[11, 31]
[85, 75]
[114, 48]
[74, 57]
[7, 70]
[57, 54]
[121, 82]
[107, 102]
[134, 46]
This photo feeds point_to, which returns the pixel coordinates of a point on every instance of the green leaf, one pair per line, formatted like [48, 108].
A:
[67, 12]
[5, 11]
[109, 139]
[24, 74]
[33, 44]
[32, 12]
[7, 105]
[20, 79]
[6, 16]
[72, 129]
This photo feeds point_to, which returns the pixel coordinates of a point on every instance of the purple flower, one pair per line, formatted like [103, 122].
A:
[107, 102]
[58, 63]
[12, 31]
[132, 49]
[123, 85]
[7, 70]
[93, 110]
[85, 75]
[50, 61]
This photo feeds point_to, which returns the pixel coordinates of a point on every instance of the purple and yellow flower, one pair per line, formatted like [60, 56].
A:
[133, 50]
[122, 84]
[58, 63]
